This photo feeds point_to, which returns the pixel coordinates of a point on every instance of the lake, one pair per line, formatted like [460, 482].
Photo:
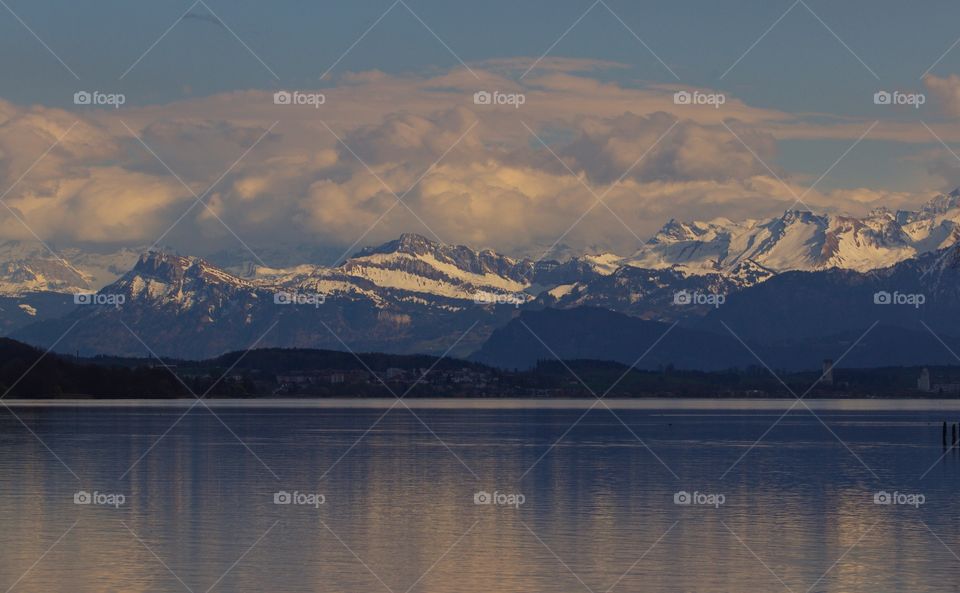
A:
[707, 495]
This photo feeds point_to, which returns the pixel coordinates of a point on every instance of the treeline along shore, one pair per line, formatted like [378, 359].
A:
[29, 373]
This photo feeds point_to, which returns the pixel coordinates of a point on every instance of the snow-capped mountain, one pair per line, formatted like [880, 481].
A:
[416, 295]
[800, 240]
[920, 295]
[412, 295]
[411, 268]
[412, 264]
[38, 281]
[797, 240]
[415, 264]
[385, 299]
[408, 295]
[650, 293]
[30, 266]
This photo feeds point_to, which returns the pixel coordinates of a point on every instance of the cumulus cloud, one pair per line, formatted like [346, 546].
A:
[946, 92]
[106, 204]
[659, 147]
[65, 183]
[406, 137]
[28, 134]
[476, 174]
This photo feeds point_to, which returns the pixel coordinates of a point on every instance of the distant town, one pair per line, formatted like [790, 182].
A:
[26, 372]
[576, 379]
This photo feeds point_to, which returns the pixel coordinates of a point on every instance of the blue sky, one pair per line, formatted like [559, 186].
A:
[813, 62]
[798, 66]
[699, 40]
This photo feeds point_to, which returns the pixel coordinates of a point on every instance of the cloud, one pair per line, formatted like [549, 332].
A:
[946, 92]
[659, 147]
[107, 204]
[197, 150]
[28, 134]
[405, 137]
[476, 174]
[205, 17]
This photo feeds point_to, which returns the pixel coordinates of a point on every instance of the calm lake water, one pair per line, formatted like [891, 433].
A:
[579, 500]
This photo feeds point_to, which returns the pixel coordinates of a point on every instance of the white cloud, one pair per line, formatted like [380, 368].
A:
[946, 91]
[498, 187]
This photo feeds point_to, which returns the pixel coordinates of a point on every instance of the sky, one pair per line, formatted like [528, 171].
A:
[597, 156]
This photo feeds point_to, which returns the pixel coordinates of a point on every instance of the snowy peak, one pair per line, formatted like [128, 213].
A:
[803, 240]
[163, 278]
[415, 264]
[748, 272]
[28, 266]
[31, 267]
[938, 206]
[410, 269]
[162, 266]
[465, 259]
[409, 243]
[675, 231]
[803, 217]
[173, 269]
[415, 268]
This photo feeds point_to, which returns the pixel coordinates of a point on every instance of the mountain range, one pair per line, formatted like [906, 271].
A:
[794, 286]
[801, 240]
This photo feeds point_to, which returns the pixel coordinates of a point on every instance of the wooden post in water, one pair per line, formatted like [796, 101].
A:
[944, 434]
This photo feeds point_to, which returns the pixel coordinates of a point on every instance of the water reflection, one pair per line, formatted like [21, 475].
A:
[399, 513]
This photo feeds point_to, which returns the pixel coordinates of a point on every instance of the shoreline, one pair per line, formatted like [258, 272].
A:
[773, 404]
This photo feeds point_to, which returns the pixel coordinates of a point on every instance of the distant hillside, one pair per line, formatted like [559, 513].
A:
[33, 375]
[598, 334]
[302, 373]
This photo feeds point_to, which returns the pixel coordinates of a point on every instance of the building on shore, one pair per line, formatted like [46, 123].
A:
[926, 384]
[826, 376]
